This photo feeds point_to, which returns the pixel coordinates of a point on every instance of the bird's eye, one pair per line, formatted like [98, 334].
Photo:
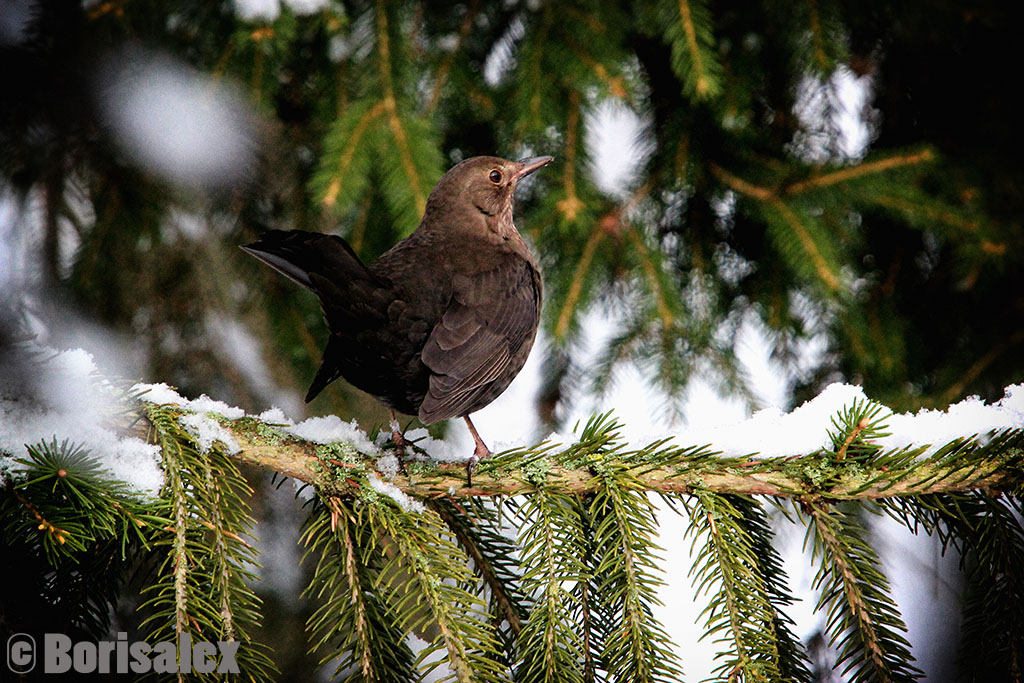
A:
[495, 176]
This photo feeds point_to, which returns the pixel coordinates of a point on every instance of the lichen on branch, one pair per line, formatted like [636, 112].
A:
[340, 468]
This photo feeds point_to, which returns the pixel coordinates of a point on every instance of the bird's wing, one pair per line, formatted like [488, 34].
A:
[490, 317]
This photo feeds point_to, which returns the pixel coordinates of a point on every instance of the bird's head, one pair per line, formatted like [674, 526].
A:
[483, 184]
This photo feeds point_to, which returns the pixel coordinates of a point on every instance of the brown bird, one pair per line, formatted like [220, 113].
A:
[441, 323]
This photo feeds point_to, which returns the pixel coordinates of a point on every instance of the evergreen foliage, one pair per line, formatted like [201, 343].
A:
[204, 582]
[564, 587]
[747, 204]
[902, 257]
[71, 536]
[352, 619]
[863, 620]
[740, 573]
[985, 531]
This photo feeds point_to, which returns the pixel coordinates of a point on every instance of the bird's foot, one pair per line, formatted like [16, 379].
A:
[401, 443]
[479, 453]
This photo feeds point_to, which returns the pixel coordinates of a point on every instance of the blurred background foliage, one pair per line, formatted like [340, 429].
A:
[897, 258]
[141, 141]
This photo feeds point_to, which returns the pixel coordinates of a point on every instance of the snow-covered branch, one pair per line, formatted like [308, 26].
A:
[839, 446]
[659, 468]
[854, 459]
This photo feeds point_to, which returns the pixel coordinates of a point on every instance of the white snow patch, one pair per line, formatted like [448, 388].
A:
[970, 417]
[269, 10]
[207, 431]
[161, 394]
[252, 10]
[388, 466]
[205, 404]
[403, 500]
[329, 429]
[175, 122]
[614, 141]
[72, 402]
[772, 433]
[275, 416]
[130, 460]
[442, 451]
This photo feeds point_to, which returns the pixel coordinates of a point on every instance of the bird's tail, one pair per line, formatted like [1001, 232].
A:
[308, 258]
[327, 265]
[330, 369]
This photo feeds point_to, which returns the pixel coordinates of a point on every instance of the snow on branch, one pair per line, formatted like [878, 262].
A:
[839, 445]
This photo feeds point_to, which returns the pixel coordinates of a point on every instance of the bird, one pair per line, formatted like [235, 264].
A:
[440, 324]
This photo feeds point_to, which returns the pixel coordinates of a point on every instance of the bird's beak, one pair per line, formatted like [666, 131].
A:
[528, 166]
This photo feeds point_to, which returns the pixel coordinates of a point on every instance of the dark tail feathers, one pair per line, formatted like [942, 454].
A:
[328, 372]
[317, 262]
[298, 254]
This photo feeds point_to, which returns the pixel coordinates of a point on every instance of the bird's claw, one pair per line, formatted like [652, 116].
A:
[401, 443]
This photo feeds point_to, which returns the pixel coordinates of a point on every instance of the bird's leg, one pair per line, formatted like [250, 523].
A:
[480, 452]
[399, 440]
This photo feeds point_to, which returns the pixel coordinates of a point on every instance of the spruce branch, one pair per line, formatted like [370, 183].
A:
[441, 76]
[856, 426]
[688, 29]
[863, 619]
[821, 179]
[806, 246]
[740, 572]
[987, 533]
[585, 549]
[74, 535]
[343, 172]
[204, 583]
[571, 204]
[592, 610]
[492, 555]
[818, 39]
[550, 646]
[654, 272]
[866, 168]
[923, 212]
[570, 308]
[627, 576]
[660, 467]
[64, 501]
[531, 72]
[812, 243]
[352, 619]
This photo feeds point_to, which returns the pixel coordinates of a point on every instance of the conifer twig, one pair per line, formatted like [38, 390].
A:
[497, 587]
[865, 168]
[781, 477]
[446, 65]
[576, 287]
